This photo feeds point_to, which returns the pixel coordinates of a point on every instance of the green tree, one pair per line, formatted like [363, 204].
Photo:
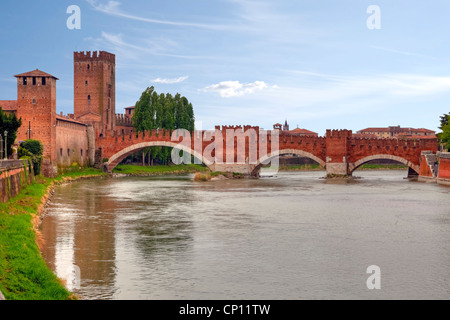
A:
[444, 136]
[162, 111]
[444, 120]
[9, 123]
[33, 150]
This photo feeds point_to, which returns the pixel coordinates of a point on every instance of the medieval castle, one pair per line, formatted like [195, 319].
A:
[69, 139]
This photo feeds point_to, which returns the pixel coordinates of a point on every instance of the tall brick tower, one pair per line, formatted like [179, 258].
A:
[95, 89]
[36, 105]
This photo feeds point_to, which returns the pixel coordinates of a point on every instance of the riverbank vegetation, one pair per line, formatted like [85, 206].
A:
[367, 166]
[24, 274]
[158, 170]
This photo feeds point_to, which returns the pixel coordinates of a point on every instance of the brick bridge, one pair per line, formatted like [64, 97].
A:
[224, 149]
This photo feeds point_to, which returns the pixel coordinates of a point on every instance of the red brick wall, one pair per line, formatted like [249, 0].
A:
[444, 168]
[40, 114]
[94, 77]
[425, 168]
[71, 144]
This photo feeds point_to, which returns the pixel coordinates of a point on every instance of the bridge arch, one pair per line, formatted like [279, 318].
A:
[357, 164]
[264, 159]
[118, 157]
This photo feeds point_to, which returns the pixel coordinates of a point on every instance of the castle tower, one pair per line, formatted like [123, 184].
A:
[95, 89]
[36, 105]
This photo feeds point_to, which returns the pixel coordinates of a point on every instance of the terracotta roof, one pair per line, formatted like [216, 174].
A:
[130, 107]
[395, 129]
[423, 130]
[35, 73]
[8, 105]
[278, 124]
[63, 118]
[375, 130]
[304, 131]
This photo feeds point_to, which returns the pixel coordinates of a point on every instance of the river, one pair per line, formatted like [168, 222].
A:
[294, 236]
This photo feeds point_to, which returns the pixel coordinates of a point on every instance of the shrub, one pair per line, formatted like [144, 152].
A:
[33, 150]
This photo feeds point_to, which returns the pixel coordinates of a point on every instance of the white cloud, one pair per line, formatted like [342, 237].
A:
[228, 89]
[170, 81]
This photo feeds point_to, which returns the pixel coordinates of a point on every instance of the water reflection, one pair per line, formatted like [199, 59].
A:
[293, 236]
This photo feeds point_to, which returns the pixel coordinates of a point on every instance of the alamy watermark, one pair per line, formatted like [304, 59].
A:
[74, 21]
[374, 20]
[374, 280]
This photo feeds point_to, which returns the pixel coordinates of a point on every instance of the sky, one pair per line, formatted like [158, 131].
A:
[317, 64]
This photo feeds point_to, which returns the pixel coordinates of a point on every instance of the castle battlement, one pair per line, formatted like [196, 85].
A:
[85, 56]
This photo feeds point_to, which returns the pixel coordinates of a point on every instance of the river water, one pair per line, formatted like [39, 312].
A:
[293, 236]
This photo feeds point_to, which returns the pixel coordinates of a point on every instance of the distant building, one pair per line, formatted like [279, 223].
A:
[278, 126]
[129, 112]
[297, 131]
[304, 132]
[397, 132]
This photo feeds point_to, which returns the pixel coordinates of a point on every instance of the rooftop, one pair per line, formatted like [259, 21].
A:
[35, 73]
[8, 105]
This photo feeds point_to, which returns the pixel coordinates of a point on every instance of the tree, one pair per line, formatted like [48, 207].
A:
[444, 120]
[33, 150]
[162, 111]
[9, 123]
[444, 136]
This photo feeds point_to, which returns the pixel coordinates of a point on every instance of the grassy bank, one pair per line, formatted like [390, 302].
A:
[24, 274]
[301, 167]
[157, 170]
[367, 166]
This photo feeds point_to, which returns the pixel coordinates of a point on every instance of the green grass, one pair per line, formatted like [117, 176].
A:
[300, 167]
[154, 170]
[369, 166]
[24, 275]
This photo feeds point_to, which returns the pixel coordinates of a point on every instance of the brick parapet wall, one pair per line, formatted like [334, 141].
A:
[14, 176]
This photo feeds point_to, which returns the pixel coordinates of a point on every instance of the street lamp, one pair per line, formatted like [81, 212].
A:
[6, 145]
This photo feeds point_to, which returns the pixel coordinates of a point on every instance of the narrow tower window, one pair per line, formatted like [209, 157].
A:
[86, 82]
[89, 97]
[34, 81]
[24, 81]
[43, 81]
[88, 66]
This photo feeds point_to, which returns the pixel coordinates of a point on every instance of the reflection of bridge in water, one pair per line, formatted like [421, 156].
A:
[246, 149]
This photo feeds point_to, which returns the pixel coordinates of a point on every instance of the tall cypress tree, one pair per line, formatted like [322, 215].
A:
[162, 111]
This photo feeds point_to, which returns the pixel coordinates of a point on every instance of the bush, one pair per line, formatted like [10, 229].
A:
[33, 150]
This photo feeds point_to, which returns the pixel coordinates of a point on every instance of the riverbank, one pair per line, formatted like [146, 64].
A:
[367, 166]
[24, 274]
[135, 170]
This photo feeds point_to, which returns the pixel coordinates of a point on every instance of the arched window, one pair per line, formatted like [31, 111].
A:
[88, 66]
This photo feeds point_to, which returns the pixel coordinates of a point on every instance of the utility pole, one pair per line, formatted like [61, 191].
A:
[29, 130]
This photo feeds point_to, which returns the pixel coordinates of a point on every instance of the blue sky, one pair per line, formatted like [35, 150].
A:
[314, 63]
